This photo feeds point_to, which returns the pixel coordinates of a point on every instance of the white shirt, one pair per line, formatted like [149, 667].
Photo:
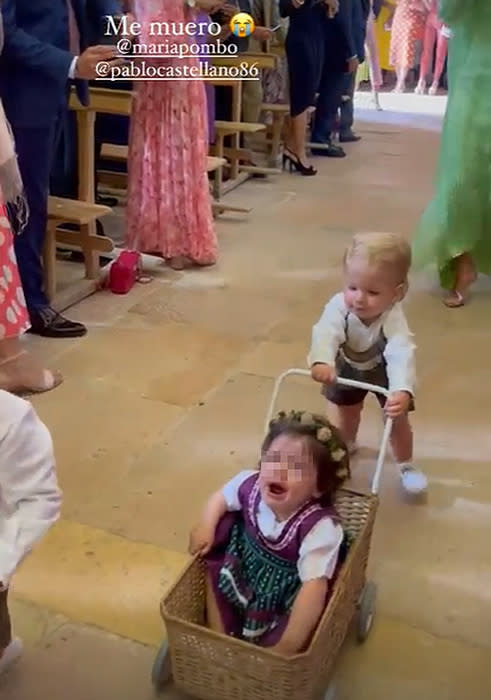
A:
[73, 68]
[329, 333]
[29, 495]
[320, 548]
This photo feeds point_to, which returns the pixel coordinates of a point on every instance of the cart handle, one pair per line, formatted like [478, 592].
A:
[355, 385]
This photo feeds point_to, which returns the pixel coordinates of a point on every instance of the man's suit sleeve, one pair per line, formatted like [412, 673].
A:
[344, 20]
[102, 8]
[24, 50]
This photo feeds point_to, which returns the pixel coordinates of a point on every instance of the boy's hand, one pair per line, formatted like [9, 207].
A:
[201, 539]
[397, 404]
[325, 374]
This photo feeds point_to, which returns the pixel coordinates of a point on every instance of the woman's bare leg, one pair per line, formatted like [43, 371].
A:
[441, 54]
[20, 371]
[465, 276]
[428, 46]
[296, 142]
[401, 73]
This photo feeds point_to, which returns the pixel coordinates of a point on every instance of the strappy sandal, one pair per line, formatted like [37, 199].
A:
[455, 300]
[465, 280]
[50, 380]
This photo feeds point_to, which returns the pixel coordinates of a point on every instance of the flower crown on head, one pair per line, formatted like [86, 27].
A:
[321, 432]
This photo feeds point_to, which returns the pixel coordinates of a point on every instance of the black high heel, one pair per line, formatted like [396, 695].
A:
[294, 162]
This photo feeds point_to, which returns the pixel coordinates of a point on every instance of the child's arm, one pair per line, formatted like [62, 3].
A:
[319, 554]
[203, 534]
[28, 483]
[400, 358]
[221, 502]
[306, 612]
[328, 334]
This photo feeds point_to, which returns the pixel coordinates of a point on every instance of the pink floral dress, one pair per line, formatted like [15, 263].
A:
[14, 319]
[169, 205]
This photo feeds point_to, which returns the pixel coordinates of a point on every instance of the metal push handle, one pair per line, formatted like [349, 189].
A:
[354, 385]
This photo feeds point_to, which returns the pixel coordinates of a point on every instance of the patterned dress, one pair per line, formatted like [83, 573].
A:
[14, 319]
[169, 205]
[408, 28]
[256, 580]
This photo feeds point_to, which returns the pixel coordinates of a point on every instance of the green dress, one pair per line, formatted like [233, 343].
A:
[458, 219]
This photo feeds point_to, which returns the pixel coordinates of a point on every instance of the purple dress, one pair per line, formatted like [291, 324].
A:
[255, 580]
[210, 89]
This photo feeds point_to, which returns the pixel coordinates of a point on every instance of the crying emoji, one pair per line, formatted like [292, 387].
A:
[242, 25]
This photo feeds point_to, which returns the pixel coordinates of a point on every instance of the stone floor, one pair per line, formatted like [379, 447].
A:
[166, 397]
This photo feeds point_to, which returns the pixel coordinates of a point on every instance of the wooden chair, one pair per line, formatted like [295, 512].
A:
[84, 215]
[238, 173]
[279, 112]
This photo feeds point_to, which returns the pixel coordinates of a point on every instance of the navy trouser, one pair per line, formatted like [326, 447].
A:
[331, 89]
[35, 151]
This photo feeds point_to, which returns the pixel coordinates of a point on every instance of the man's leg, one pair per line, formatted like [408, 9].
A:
[35, 150]
[347, 110]
[328, 101]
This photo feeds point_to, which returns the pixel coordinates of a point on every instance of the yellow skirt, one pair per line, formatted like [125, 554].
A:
[383, 38]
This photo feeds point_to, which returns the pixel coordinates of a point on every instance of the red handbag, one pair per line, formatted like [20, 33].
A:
[125, 271]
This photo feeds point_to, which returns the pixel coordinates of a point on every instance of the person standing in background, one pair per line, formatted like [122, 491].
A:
[19, 370]
[46, 45]
[455, 230]
[340, 61]
[305, 48]
[408, 27]
[169, 210]
[360, 11]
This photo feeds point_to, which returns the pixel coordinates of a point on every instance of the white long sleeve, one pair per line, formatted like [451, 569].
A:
[337, 326]
[399, 352]
[30, 498]
[328, 334]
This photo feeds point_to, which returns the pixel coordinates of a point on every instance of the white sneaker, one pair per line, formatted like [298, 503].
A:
[10, 655]
[413, 480]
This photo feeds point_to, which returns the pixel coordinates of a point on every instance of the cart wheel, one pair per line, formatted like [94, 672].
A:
[367, 610]
[162, 668]
[330, 692]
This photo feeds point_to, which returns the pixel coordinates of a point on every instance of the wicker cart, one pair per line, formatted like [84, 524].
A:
[211, 666]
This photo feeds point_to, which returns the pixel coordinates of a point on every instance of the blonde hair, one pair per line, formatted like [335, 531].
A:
[381, 249]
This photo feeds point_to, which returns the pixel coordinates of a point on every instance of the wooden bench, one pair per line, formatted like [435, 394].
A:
[84, 215]
[279, 112]
[213, 165]
[112, 151]
[234, 155]
[118, 153]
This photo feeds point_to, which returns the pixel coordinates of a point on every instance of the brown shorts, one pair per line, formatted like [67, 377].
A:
[5, 628]
[346, 396]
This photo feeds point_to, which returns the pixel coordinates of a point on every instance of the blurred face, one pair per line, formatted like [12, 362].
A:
[369, 290]
[288, 476]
